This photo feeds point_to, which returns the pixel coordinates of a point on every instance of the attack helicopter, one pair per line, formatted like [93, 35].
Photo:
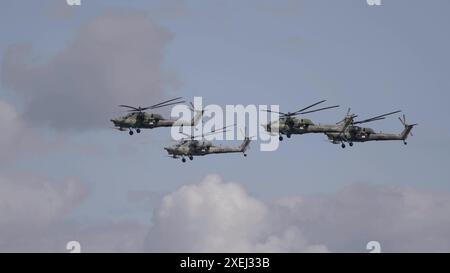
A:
[288, 124]
[138, 119]
[197, 145]
[351, 133]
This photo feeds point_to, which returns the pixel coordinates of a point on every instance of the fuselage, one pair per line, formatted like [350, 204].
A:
[363, 134]
[203, 147]
[299, 126]
[150, 120]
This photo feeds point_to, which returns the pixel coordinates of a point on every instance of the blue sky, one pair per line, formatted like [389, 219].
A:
[291, 53]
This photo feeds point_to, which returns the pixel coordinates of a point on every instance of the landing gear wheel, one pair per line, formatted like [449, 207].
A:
[183, 160]
[343, 145]
[191, 157]
[351, 144]
[406, 143]
[138, 131]
[245, 155]
[130, 132]
[280, 138]
[288, 135]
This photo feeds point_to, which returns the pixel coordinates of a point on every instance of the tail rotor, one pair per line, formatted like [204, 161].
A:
[405, 124]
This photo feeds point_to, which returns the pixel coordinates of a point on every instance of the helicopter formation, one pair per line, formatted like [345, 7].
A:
[343, 132]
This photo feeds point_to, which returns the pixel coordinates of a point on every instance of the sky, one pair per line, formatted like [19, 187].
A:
[66, 175]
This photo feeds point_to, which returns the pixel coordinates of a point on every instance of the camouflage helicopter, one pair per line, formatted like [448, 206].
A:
[196, 145]
[138, 119]
[351, 133]
[288, 124]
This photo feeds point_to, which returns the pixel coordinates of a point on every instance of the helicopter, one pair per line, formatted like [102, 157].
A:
[288, 124]
[138, 119]
[196, 145]
[351, 133]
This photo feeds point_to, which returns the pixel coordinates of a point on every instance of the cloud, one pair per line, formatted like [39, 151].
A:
[117, 58]
[29, 205]
[402, 219]
[34, 218]
[15, 137]
[30, 200]
[218, 216]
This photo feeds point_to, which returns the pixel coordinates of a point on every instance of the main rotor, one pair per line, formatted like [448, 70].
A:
[140, 109]
[203, 134]
[351, 118]
[303, 110]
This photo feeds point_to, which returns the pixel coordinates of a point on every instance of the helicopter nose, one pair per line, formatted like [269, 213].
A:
[267, 127]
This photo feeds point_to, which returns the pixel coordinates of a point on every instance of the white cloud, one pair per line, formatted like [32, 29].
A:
[218, 216]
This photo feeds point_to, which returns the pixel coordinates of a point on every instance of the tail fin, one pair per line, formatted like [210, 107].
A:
[245, 145]
[198, 115]
[407, 131]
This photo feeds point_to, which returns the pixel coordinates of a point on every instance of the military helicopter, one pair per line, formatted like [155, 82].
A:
[196, 145]
[351, 133]
[288, 124]
[138, 119]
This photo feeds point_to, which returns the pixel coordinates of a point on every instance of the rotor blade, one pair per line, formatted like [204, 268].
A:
[340, 121]
[211, 133]
[388, 114]
[164, 105]
[127, 106]
[223, 128]
[164, 102]
[216, 131]
[320, 109]
[377, 117]
[368, 120]
[134, 111]
[312, 105]
[192, 108]
[242, 132]
[270, 111]
[184, 134]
